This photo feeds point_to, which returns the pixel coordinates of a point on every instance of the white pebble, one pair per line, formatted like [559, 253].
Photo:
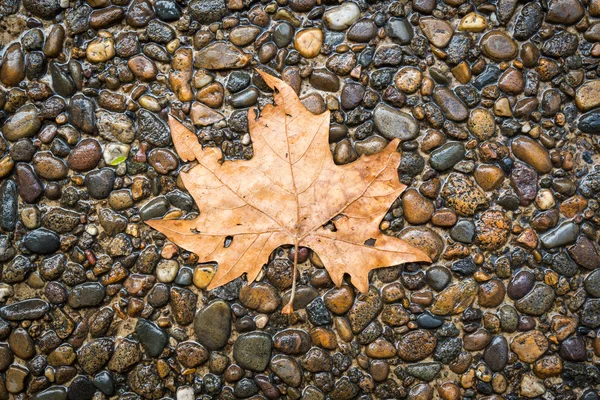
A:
[185, 393]
[166, 271]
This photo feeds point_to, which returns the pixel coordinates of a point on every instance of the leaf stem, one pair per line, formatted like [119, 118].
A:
[289, 307]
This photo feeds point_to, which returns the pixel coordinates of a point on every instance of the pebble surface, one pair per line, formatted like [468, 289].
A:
[496, 105]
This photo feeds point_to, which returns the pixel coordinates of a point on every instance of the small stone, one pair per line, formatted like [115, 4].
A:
[447, 156]
[417, 209]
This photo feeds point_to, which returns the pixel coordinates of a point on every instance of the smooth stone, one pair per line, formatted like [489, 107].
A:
[532, 153]
[342, 17]
[245, 98]
[447, 156]
[89, 294]
[85, 155]
[585, 253]
[438, 277]
[495, 354]
[573, 349]
[212, 325]
[24, 123]
[587, 95]
[253, 350]
[29, 309]
[425, 239]
[222, 55]
[392, 123]
[100, 182]
[152, 338]
[563, 235]
[82, 113]
[529, 346]
[452, 106]
[567, 12]
[439, 32]
[41, 241]
[429, 321]
[308, 42]
[52, 393]
[498, 46]
[590, 122]
[521, 283]
[400, 29]
[287, 369]
[62, 82]
[362, 31]
[463, 231]
[591, 283]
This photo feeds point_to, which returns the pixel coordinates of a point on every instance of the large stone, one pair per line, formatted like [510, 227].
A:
[253, 350]
[222, 55]
[213, 325]
[392, 123]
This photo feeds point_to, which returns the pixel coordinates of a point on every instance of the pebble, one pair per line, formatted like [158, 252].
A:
[455, 298]
[341, 17]
[437, 31]
[532, 153]
[498, 46]
[529, 346]
[393, 124]
[253, 350]
[416, 345]
[221, 55]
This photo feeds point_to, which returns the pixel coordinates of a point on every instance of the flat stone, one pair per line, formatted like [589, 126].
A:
[222, 55]
[392, 123]
[452, 106]
[538, 301]
[253, 350]
[152, 338]
[455, 298]
[212, 325]
[29, 309]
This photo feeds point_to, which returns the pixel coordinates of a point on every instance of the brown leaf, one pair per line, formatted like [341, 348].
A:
[285, 194]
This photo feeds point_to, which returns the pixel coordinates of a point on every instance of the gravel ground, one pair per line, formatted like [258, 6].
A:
[495, 104]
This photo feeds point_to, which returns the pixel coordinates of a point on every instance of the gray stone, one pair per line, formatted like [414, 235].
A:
[392, 123]
[253, 350]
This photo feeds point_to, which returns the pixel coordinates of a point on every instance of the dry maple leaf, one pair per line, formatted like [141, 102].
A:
[285, 194]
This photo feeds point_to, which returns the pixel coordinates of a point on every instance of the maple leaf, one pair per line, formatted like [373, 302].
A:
[286, 194]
